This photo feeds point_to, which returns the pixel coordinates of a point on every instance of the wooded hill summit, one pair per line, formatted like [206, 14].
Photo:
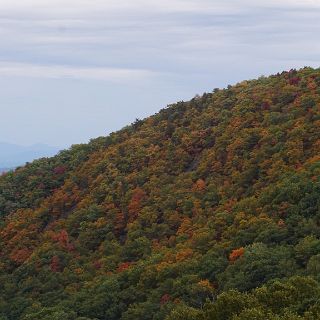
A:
[210, 209]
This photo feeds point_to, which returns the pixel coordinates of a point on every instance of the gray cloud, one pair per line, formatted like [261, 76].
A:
[148, 52]
[58, 71]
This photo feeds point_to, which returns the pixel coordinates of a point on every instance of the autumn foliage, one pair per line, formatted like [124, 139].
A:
[208, 209]
[236, 254]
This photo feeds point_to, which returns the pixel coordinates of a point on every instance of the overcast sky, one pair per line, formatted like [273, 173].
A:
[71, 70]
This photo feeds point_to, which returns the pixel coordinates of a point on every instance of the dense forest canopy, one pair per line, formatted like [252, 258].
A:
[209, 209]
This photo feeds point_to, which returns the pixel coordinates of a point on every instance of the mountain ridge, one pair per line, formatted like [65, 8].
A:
[207, 210]
[13, 155]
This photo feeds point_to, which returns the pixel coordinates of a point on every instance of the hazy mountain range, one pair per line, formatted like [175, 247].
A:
[12, 155]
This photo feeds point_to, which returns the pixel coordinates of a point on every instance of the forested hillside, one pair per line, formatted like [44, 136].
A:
[209, 209]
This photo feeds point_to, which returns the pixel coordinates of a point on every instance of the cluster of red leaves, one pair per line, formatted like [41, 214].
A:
[236, 254]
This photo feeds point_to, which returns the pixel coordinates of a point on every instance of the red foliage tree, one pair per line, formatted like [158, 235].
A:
[59, 170]
[199, 186]
[55, 264]
[123, 266]
[134, 206]
[165, 299]
[21, 255]
[236, 254]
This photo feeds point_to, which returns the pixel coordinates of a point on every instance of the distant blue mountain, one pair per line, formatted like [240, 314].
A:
[12, 155]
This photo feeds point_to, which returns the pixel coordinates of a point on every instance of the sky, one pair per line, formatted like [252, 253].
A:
[71, 70]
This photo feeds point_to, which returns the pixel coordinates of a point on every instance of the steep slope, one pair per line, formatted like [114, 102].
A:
[218, 193]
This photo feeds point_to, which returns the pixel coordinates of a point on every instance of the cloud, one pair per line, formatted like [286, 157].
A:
[57, 71]
[171, 36]
[287, 3]
[87, 6]
[162, 50]
[145, 34]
